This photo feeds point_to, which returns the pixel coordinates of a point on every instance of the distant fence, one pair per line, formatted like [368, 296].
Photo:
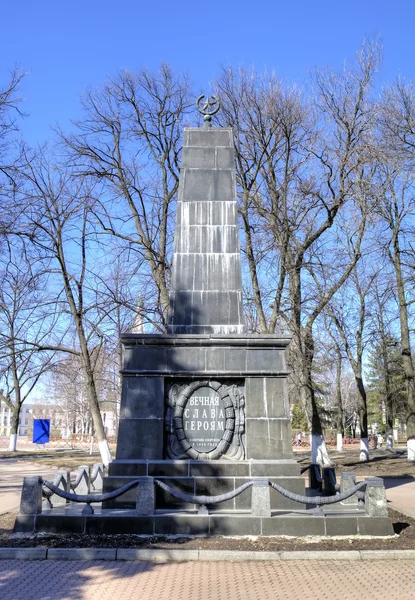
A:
[331, 442]
[73, 443]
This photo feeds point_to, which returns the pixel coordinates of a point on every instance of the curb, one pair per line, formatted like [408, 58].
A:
[174, 555]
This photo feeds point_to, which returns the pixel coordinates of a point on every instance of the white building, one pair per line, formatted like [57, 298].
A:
[6, 417]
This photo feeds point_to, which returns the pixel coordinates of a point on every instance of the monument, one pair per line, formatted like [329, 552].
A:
[204, 442]
[205, 406]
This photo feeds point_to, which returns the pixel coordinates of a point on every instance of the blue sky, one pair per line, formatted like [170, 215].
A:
[67, 46]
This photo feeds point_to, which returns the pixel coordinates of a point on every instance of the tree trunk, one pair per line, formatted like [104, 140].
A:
[14, 429]
[406, 350]
[339, 405]
[319, 454]
[362, 404]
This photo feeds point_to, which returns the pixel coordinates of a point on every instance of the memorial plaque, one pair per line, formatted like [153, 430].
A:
[204, 419]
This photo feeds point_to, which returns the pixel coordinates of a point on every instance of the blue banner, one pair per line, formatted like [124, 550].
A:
[41, 431]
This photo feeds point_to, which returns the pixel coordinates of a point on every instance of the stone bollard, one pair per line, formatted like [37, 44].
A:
[97, 477]
[375, 498]
[84, 480]
[261, 503]
[31, 499]
[146, 497]
[348, 480]
[328, 481]
[62, 480]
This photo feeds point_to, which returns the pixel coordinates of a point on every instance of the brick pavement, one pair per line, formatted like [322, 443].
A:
[304, 580]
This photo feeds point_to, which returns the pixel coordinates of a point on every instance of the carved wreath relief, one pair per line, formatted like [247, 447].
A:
[205, 420]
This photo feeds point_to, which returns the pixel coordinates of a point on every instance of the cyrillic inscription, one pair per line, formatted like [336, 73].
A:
[204, 419]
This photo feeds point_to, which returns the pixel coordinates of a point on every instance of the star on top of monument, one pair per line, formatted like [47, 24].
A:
[208, 108]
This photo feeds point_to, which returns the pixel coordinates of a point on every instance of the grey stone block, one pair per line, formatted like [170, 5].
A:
[205, 184]
[82, 553]
[49, 523]
[293, 526]
[293, 484]
[208, 137]
[205, 308]
[22, 553]
[166, 500]
[200, 158]
[196, 238]
[277, 396]
[24, 524]
[265, 360]
[375, 526]
[375, 498]
[140, 439]
[274, 469]
[207, 272]
[142, 359]
[235, 360]
[161, 555]
[181, 525]
[338, 525]
[146, 497]
[169, 468]
[263, 437]
[126, 500]
[377, 554]
[143, 397]
[186, 359]
[219, 468]
[31, 498]
[206, 213]
[127, 468]
[225, 158]
[244, 500]
[234, 525]
[212, 486]
[261, 506]
[236, 555]
[119, 524]
[215, 359]
[321, 555]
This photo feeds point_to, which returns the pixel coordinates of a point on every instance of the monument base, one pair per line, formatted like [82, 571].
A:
[209, 478]
[336, 522]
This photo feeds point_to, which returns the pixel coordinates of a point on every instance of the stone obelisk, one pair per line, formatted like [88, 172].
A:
[206, 287]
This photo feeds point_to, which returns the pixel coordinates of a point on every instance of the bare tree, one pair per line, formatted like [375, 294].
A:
[296, 175]
[130, 142]
[58, 223]
[349, 315]
[25, 323]
[397, 210]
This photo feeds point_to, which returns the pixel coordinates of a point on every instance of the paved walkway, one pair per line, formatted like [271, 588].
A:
[11, 479]
[304, 580]
[400, 493]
